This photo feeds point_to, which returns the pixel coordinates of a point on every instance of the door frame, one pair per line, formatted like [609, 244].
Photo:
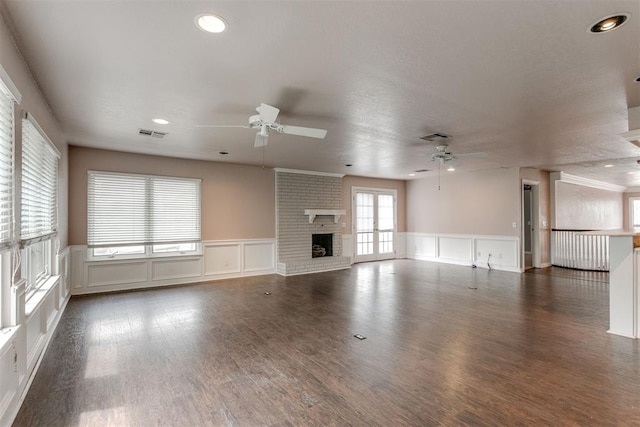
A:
[535, 223]
[354, 221]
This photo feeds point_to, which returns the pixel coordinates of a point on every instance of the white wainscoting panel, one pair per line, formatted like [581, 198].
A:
[64, 271]
[9, 374]
[116, 273]
[77, 256]
[421, 246]
[38, 320]
[222, 258]
[49, 307]
[504, 253]
[455, 249]
[259, 256]
[176, 268]
[347, 246]
[465, 250]
[219, 259]
[401, 245]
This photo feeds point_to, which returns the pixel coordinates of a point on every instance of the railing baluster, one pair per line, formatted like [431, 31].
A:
[571, 248]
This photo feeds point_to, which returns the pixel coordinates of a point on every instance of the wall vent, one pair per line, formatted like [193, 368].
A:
[435, 137]
[151, 133]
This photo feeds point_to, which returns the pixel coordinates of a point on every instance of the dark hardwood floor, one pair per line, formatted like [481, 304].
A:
[527, 349]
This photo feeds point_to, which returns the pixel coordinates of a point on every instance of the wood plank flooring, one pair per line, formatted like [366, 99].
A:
[525, 349]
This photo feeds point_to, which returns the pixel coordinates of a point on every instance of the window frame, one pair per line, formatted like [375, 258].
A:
[632, 201]
[30, 261]
[7, 303]
[148, 253]
[39, 250]
[150, 195]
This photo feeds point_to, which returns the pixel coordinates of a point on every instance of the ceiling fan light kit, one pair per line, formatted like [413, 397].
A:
[265, 121]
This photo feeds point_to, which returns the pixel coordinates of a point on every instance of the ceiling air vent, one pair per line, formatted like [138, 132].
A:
[151, 133]
[422, 170]
[435, 137]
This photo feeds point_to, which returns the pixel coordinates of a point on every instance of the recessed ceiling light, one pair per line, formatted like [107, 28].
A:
[608, 166]
[412, 174]
[451, 169]
[609, 23]
[211, 23]
[160, 121]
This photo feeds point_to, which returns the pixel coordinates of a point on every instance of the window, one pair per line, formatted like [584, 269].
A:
[132, 215]
[634, 214]
[8, 98]
[6, 166]
[38, 217]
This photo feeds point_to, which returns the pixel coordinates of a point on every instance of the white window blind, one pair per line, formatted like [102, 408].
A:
[6, 166]
[39, 184]
[128, 209]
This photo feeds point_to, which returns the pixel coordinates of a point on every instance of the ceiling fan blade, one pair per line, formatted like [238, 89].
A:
[268, 113]
[261, 140]
[302, 131]
[222, 126]
[470, 155]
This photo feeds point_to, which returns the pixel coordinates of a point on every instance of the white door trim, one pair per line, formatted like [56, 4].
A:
[375, 191]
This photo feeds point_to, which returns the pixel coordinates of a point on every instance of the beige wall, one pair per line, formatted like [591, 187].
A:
[34, 103]
[585, 208]
[348, 182]
[238, 202]
[544, 210]
[481, 203]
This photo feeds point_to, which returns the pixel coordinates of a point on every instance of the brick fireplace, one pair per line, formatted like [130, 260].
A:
[308, 203]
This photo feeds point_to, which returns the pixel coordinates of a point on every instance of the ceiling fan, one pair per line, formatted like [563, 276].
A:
[443, 155]
[265, 121]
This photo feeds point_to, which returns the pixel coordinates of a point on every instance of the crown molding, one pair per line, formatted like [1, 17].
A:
[586, 182]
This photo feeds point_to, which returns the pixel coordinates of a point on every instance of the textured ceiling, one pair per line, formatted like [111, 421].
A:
[523, 81]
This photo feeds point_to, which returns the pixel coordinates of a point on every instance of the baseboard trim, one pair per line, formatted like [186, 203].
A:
[177, 282]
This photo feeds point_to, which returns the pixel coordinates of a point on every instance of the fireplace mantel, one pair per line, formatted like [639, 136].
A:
[335, 213]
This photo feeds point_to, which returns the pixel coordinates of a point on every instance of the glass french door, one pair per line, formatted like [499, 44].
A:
[374, 225]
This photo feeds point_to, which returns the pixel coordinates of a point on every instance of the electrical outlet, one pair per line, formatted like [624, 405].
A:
[514, 225]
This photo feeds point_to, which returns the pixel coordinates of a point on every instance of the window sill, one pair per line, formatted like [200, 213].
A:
[35, 298]
[143, 257]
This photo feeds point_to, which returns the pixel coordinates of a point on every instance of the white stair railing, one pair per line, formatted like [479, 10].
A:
[573, 249]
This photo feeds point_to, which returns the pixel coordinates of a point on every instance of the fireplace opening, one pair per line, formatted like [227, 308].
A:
[321, 245]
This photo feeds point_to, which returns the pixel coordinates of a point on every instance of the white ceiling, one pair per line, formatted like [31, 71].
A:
[523, 81]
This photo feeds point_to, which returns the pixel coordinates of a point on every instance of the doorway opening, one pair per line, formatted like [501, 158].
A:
[530, 233]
